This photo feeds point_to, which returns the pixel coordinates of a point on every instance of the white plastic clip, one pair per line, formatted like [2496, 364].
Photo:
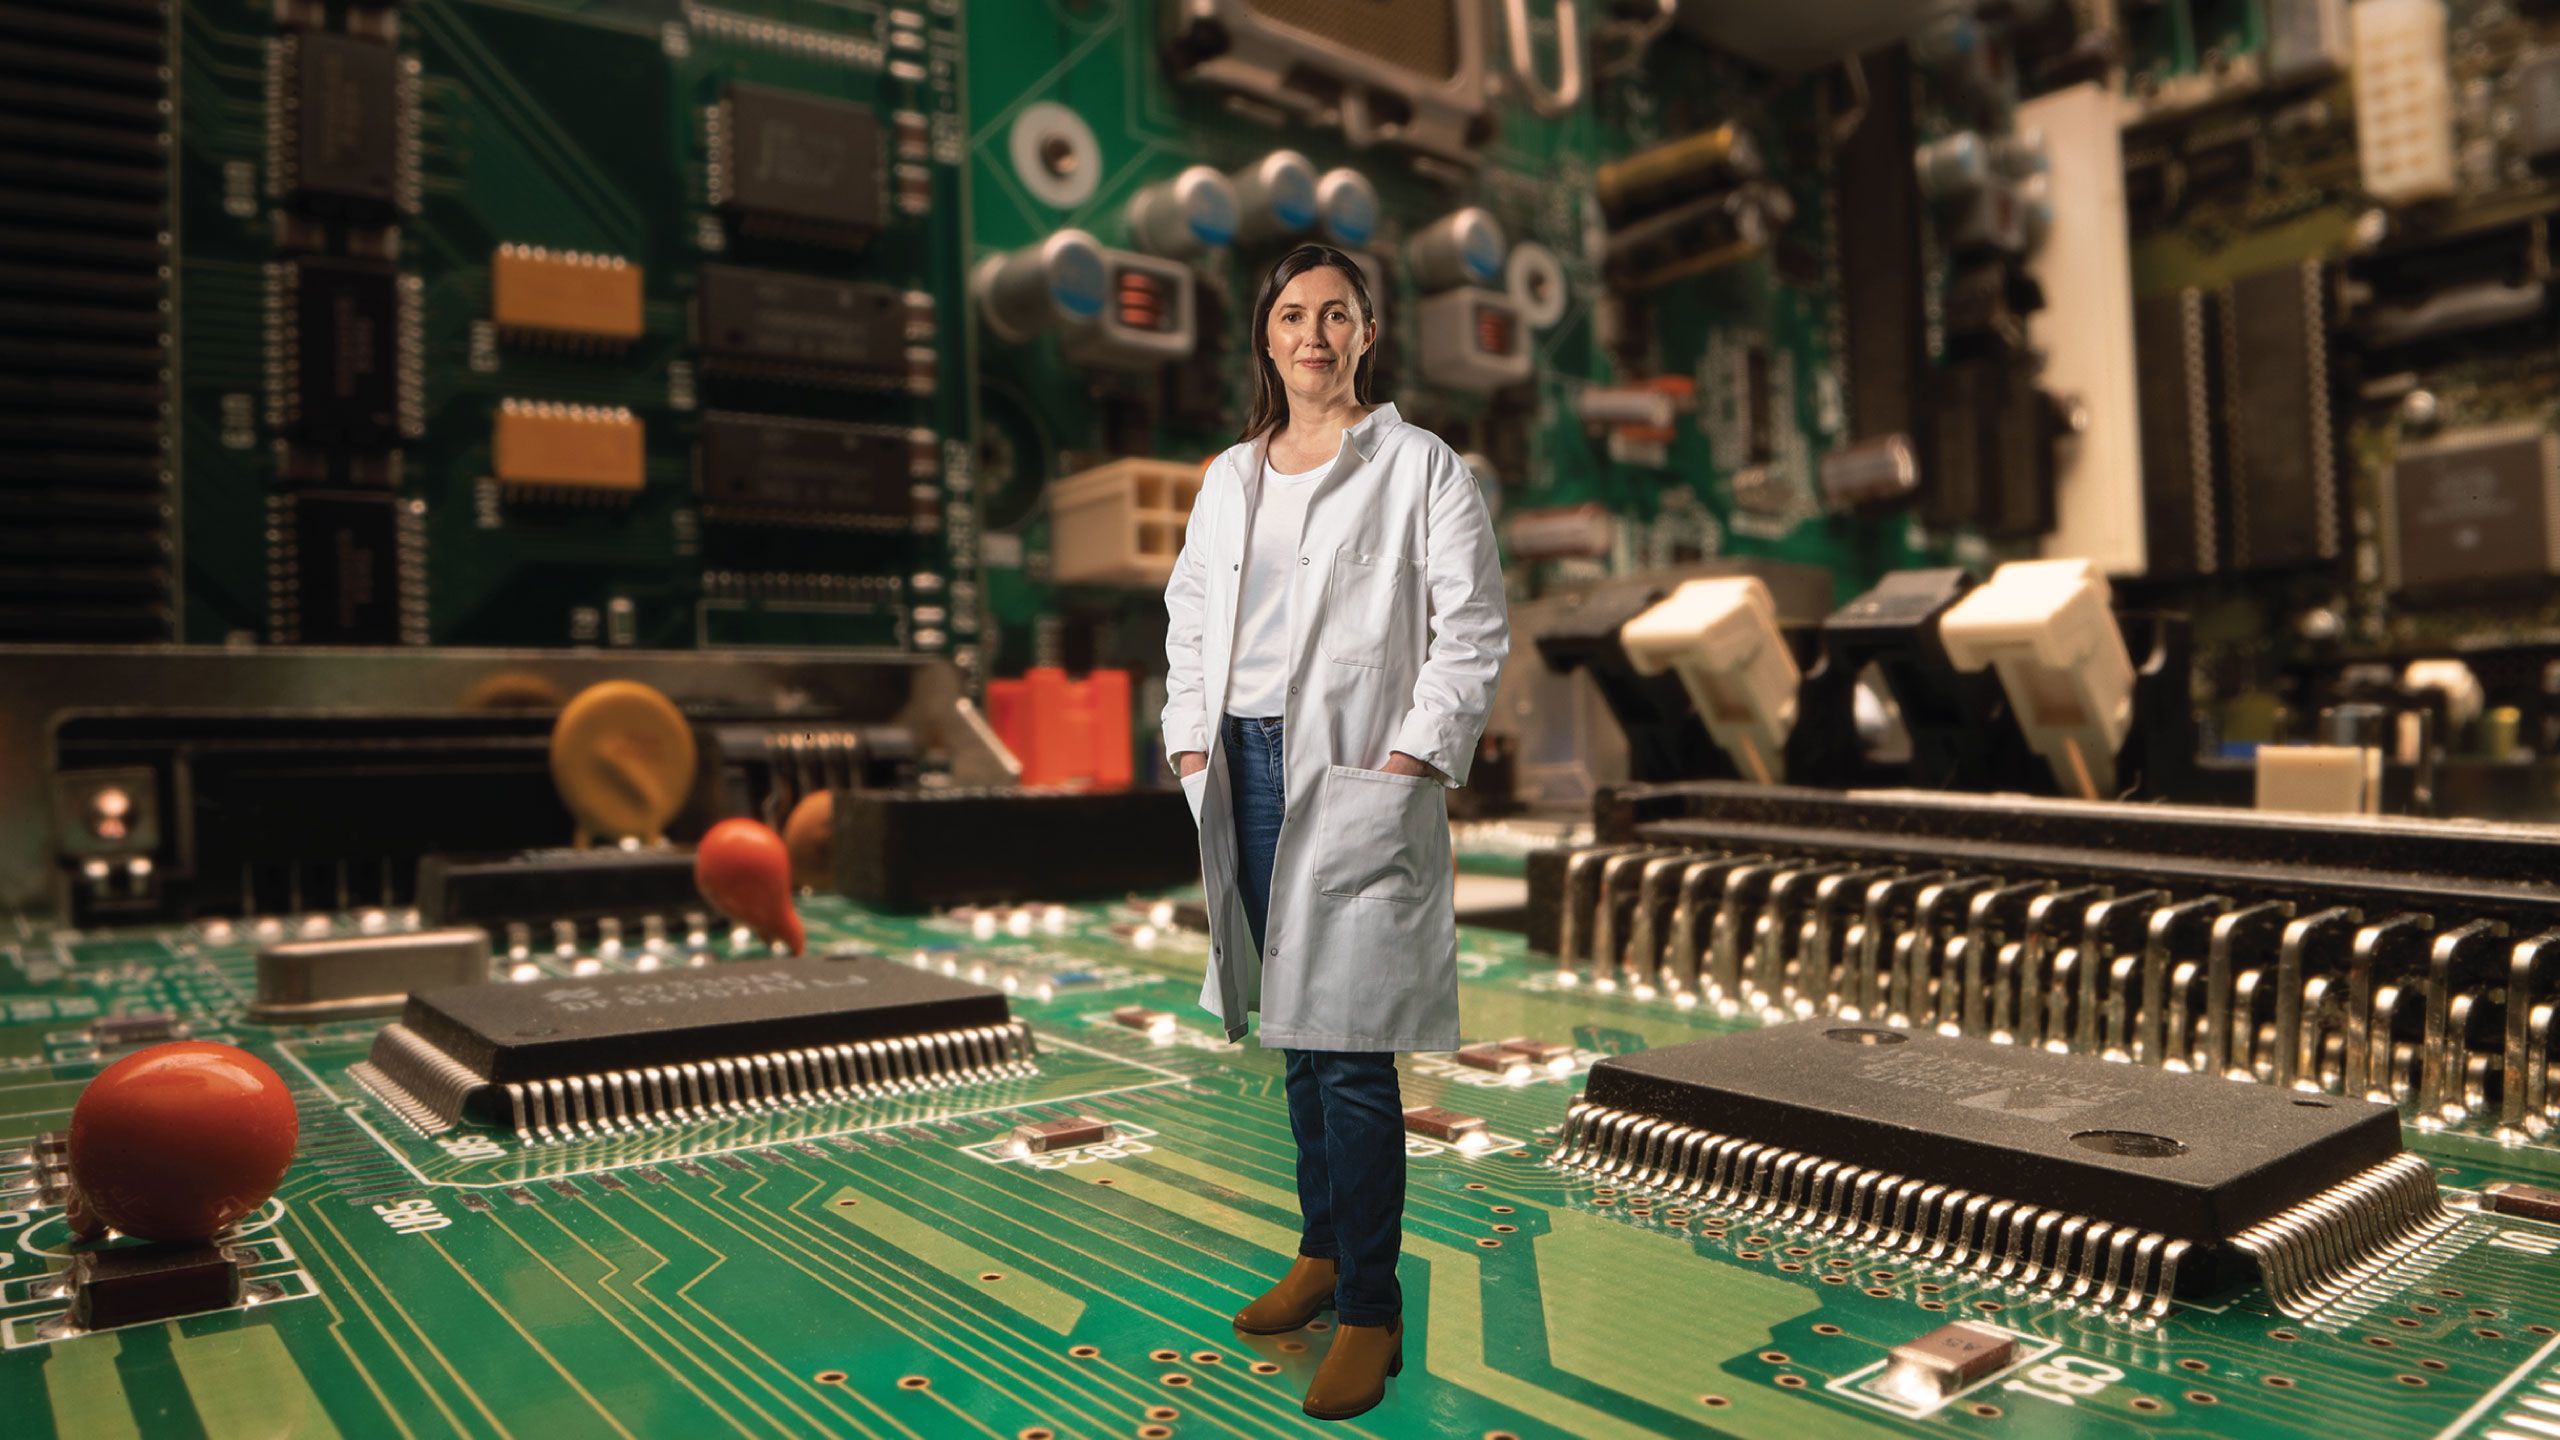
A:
[2046, 627]
[1720, 636]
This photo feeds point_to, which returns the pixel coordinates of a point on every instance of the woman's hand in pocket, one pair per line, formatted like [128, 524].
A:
[1399, 763]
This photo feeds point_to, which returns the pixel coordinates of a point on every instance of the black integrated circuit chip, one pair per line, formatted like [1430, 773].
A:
[341, 132]
[789, 466]
[2038, 1164]
[2172, 378]
[801, 164]
[2282, 451]
[2472, 511]
[801, 327]
[341, 352]
[560, 1057]
[340, 561]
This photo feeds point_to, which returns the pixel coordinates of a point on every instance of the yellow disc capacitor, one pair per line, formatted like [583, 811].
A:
[623, 758]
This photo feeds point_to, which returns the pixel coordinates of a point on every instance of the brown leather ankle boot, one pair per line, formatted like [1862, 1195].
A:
[1306, 1289]
[1354, 1374]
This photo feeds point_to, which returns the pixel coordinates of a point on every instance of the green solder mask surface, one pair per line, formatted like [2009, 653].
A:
[885, 1267]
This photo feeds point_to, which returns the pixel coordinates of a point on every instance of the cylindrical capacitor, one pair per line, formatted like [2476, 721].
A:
[1275, 196]
[1692, 165]
[1871, 472]
[1190, 214]
[1463, 247]
[1347, 207]
[1039, 287]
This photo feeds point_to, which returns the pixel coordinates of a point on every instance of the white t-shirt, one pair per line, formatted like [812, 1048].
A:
[1258, 676]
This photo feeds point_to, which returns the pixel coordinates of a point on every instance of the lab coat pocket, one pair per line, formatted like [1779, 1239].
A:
[1195, 786]
[1384, 835]
[1364, 607]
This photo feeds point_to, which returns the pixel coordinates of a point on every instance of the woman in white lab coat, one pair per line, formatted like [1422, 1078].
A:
[1338, 582]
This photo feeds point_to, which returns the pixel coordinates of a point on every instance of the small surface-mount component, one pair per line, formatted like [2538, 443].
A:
[337, 352]
[339, 569]
[1147, 317]
[550, 295]
[570, 450]
[339, 136]
[1140, 1018]
[1541, 1052]
[2404, 99]
[139, 1027]
[178, 1141]
[2124, 1184]
[1944, 1361]
[1473, 339]
[305, 981]
[1446, 1126]
[2473, 510]
[1048, 1136]
[792, 471]
[2046, 627]
[138, 1284]
[2306, 39]
[1720, 638]
[2282, 456]
[561, 1060]
[801, 328]
[1493, 1058]
[797, 166]
[2514, 1197]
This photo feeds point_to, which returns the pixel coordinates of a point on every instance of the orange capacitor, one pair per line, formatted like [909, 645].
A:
[810, 835]
[743, 868]
[178, 1141]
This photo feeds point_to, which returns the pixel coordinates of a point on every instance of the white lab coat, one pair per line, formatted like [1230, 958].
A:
[1397, 633]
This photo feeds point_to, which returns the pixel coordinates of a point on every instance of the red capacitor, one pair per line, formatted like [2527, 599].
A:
[178, 1141]
[742, 867]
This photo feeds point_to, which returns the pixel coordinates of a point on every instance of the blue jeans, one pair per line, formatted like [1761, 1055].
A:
[1344, 1107]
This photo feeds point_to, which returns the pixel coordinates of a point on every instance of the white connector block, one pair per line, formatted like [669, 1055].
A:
[1720, 636]
[2320, 779]
[2404, 100]
[2046, 627]
[1121, 523]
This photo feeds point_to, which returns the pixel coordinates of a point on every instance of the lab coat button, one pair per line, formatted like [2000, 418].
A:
[1302, 559]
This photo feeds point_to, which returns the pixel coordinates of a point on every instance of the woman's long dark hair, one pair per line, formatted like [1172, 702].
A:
[1270, 397]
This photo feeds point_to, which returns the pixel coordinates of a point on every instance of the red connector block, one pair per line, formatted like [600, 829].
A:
[1065, 732]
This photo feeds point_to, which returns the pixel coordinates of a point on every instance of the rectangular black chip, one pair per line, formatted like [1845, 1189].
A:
[345, 128]
[342, 385]
[800, 326]
[2196, 1157]
[2172, 373]
[810, 164]
[767, 462]
[2283, 448]
[342, 568]
[552, 1029]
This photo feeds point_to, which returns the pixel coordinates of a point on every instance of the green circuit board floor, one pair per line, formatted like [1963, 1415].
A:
[885, 1268]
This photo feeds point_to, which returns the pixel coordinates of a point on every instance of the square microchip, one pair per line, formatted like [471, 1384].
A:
[341, 568]
[2191, 1157]
[342, 352]
[2473, 509]
[342, 133]
[801, 327]
[810, 163]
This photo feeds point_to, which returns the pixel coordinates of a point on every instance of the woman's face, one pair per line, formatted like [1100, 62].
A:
[1316, 338]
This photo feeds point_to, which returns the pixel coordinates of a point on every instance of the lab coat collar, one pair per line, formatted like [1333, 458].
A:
[1365, 438]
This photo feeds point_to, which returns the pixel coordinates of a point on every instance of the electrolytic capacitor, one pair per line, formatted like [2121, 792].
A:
[1191, 214]
[1055, 283]
[1463, 247]
[1275, 197]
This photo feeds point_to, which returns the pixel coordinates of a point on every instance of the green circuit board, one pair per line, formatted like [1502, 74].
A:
[885, 1268]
